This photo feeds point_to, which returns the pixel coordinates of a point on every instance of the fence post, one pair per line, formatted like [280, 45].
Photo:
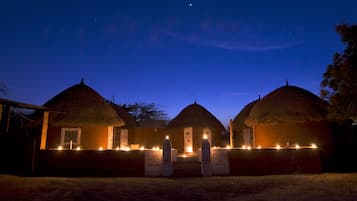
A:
[206, 169]
[167, 165]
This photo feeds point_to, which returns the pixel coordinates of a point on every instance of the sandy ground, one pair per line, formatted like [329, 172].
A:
[277, 187]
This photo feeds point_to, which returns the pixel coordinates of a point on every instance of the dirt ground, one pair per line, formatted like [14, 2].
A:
[276, 187]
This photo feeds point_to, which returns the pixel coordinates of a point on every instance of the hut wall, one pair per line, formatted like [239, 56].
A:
[92, 137]
[131, 136]
[288, 134]
[53, 137]
[176, 138]
[149, 137]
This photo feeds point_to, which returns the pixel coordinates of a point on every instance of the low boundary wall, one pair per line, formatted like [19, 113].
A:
[265, 161]
[90, 163]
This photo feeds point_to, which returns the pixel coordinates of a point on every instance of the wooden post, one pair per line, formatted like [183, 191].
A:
[7, 116]
[0, 111]
[231, 133]
[44, 130]
[110, 137]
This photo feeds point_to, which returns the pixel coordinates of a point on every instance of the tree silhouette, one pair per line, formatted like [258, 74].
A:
[145, 111]
[339, 84]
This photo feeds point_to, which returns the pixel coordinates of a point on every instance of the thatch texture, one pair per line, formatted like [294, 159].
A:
[129, 121]
[288, 104]
[195, 115]
[239, 120]
[80, 105]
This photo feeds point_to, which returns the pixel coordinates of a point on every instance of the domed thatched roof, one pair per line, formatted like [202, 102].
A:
[81, 105]
[288, 104]
[124, 115]
[239, 120]
[195, 115]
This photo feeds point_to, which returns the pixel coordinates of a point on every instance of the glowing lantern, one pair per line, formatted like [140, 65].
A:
[167, 137]
[259, 147]
[189, 149]
[313, 146]
[100, 149]
[78, 148]
[156, 148]
[59, 148]
[277, 147]
[142, 148]
[243, 147]
[205, 137]
[228, 147]
[248, 147]
[117, 148]
[297, 146]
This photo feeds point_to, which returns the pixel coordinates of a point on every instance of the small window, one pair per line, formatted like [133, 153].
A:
[71, 134]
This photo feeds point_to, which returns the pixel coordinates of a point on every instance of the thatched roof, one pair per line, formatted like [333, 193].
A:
[195, 115]
[288, 104]
[124, 115]
[239, 120]
[81, 105]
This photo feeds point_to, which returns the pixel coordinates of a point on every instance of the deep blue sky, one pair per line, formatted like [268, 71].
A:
[222, 53]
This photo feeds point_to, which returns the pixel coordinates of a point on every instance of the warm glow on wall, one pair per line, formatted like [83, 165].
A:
[189, 149]
[205, 137]
[100, 149]
[60, 148]
[117, 148]
[259, 147]
[277, 147]
[249, 148]
[244, 147]
[156, 148]
[78, 148]
[313, 146]
[297, 146]
[228, 147]
[142, 148]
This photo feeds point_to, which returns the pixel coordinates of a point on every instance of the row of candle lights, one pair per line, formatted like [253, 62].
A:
[205, 137]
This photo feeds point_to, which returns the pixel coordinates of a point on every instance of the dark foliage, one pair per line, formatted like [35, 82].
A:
[339, 85]
[145, 111]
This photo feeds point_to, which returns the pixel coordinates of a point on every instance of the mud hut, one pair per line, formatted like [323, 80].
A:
[242, 133]
[191, 124]
[125, 134]
[288, 116]
[80, 117]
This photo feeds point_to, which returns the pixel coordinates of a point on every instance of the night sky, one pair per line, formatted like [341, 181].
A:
[221, 53]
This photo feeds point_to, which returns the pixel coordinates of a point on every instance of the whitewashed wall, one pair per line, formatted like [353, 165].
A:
[220, 162]
[153, 163]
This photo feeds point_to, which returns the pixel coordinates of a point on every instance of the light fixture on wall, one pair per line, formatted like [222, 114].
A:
[313, 146]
